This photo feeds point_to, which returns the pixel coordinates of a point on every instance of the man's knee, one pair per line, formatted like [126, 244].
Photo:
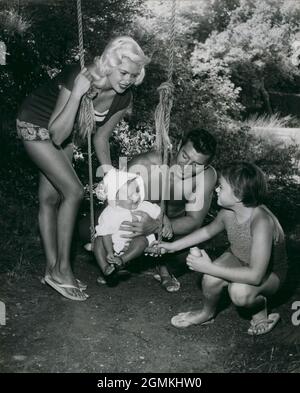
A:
[241, 294]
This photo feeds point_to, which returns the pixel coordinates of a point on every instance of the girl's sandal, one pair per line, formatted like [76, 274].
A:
[263, 326]
[182, 321]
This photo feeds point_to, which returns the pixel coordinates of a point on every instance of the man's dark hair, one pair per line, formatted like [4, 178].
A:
[203, 142]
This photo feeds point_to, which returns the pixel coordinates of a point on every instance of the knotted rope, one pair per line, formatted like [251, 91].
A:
[86, 121]
[163, 113]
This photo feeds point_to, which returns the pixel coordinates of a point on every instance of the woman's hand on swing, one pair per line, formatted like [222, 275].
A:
[143, 226]
[82, 83]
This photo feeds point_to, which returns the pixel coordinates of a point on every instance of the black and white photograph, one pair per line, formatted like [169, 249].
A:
[150, 190]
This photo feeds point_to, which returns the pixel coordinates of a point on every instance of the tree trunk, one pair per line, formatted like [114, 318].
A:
[265, 97]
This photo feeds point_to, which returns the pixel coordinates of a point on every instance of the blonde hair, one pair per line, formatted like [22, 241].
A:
[116, 50]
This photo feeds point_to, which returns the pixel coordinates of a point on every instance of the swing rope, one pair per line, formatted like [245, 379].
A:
[86, 121]
[163, 113]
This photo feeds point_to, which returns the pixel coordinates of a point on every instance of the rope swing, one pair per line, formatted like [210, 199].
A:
[163, 113]
[86, 122]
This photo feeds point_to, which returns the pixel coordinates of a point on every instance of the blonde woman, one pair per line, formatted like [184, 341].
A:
[45, 124]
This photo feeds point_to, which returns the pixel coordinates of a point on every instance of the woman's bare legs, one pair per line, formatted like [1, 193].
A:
[49, 200]
[60, 194]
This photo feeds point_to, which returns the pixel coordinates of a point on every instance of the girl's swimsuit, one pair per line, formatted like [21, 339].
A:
[240, 238]
[36, 110]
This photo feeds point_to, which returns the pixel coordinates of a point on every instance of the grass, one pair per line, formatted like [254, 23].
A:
[271, 121]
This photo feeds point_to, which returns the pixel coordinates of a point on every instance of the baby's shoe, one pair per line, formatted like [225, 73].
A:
[109, 270]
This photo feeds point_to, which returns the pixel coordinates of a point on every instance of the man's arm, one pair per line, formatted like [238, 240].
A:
[195, 215]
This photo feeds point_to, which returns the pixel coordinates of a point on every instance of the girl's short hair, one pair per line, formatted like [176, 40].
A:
[115, 50]
[248, 182]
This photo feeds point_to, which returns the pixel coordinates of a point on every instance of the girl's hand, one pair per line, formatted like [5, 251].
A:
[158, 249]
[166, 247]
[82, 83]
[152, 250]
[199, 264]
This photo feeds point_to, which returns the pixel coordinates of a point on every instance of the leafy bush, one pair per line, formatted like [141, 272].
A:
[129, 142]
[279, 162]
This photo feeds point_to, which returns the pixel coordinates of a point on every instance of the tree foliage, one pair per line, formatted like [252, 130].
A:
[256, 48]
[41, 37]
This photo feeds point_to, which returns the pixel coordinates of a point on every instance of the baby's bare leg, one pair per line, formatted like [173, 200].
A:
[135, 249]
[100, 255]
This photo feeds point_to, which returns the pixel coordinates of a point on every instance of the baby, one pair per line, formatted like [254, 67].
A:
[125, 195]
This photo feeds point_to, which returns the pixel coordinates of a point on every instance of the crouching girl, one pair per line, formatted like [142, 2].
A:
[254, 266]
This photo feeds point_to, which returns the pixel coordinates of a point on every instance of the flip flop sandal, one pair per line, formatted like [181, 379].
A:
[101, 280]
[180, 321]
[61, 288]
[82, 286]
[268, 324]
[171, 284]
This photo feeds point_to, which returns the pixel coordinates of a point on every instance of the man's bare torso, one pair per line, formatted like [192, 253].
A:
[161, 184]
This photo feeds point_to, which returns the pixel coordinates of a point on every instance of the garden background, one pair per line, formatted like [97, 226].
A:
[236, 74]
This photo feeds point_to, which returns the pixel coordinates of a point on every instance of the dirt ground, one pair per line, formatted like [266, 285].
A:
[126, 328]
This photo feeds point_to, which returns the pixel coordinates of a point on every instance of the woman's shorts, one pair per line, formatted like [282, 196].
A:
[32, 132]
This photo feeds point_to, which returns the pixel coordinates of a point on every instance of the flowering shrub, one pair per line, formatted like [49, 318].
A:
[130, 142]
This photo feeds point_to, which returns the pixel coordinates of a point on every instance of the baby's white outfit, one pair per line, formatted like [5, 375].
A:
[112, 216]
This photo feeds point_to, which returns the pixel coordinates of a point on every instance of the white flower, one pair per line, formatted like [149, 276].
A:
[100, 191]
